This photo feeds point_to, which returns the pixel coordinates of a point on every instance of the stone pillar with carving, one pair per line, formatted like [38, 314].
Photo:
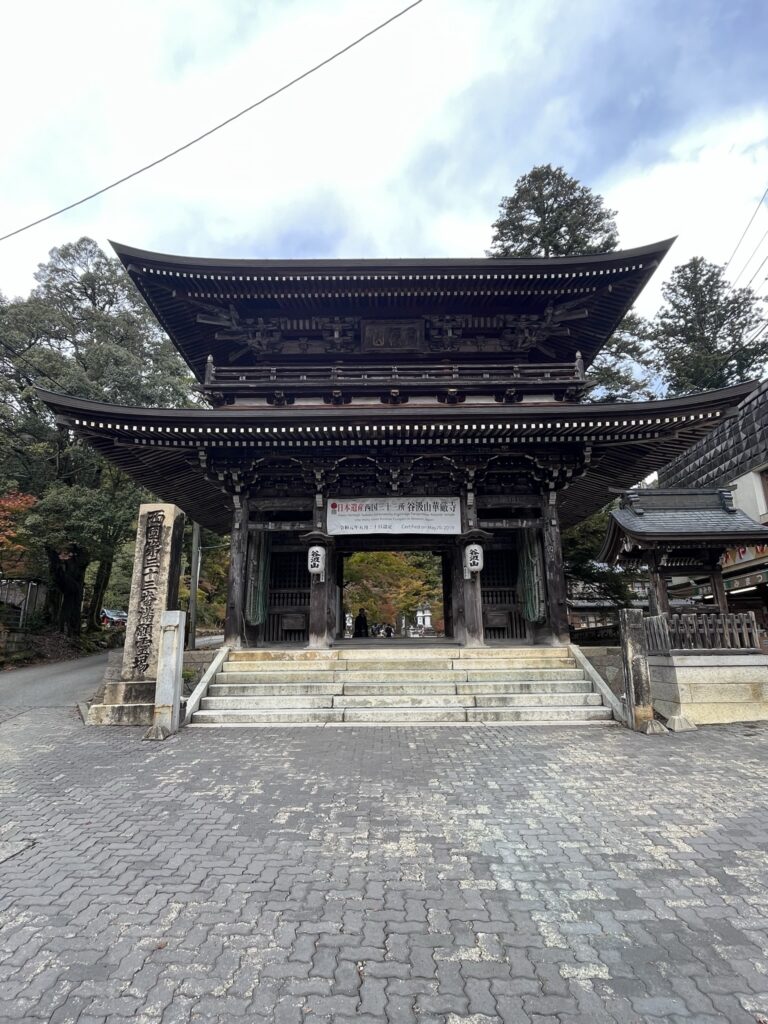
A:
[129, 687]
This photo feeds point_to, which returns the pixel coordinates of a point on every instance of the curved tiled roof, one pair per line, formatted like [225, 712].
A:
[182, 292]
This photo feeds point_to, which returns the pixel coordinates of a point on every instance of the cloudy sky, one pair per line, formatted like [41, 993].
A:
[402, 147]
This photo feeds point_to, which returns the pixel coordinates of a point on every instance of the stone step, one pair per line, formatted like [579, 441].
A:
[529, 651]
[363, 665]
[246, 702]
[233, 664]
[393, 689]
[532, 713]
[386, 652]
[273, 689]
[259, 689]
[282, 678]
[404, 700]
[468, 700]
[525, 686]
[530, 699]
[252, 674]
[282, 654]
[407, 710]
[281, 716]
[315, 670]
[503, 664]
[513, 675]
[385, 676]
[378, 676]
[396, 653]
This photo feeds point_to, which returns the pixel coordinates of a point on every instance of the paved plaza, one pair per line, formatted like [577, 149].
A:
[479, 874]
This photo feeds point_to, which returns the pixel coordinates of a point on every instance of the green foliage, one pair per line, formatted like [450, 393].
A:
[707, 334]
[581, 546]
[213, 581]
[389, 584]
[552, 214]
[85, 331]
[624, 369]
[118, 589]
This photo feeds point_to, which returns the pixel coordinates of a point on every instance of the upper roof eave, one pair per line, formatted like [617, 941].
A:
[129, 253]
[700, 401]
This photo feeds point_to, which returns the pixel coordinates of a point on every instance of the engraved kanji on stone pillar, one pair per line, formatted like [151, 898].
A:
[154, 587]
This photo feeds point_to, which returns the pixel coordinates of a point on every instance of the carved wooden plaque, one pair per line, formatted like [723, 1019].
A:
[495, 618]
[396, 336]
[293, 621]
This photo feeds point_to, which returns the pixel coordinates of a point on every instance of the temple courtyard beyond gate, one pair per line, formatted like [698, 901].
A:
[477, 874]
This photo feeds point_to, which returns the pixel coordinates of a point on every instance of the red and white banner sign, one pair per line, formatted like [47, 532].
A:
[393, 515]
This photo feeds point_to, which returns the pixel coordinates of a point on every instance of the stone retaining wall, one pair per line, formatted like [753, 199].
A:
[710, 689]
[125, 701]
[607, 662]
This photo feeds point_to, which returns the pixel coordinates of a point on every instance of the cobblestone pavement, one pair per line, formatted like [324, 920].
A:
[547, 875]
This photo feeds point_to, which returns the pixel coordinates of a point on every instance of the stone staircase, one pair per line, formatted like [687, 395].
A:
[365, 685]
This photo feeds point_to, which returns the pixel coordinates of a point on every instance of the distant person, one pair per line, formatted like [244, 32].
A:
[361, 624]
[389, 632]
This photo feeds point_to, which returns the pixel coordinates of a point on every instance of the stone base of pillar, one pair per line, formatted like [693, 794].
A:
[679, 723]
[120, 714]
[157, 732]
[653, 727]
[544, 637]
[121, 701]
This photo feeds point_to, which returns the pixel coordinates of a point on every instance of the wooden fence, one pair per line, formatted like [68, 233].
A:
[701, 632]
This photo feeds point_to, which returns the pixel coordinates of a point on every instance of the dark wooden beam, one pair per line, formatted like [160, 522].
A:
[557, 596]
[658, 598]
[238, 545]
[508, 500]
[718, 588]
[322, 600]
[299, 503]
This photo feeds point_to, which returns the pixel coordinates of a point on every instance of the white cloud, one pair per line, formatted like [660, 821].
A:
[401, 148]
[704, 190]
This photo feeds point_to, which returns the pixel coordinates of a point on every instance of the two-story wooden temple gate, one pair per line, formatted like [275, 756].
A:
[386, 383]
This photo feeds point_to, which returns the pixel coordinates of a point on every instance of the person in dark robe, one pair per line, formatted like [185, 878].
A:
[361, 624]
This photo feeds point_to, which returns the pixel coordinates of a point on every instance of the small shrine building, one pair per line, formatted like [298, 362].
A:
[427, 404]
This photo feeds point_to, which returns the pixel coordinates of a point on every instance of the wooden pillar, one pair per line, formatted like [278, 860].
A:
[457, 595]
[446, 560]
[339, 594]
[658, 599]
[557, 596]
[473, 608]
[238, 547]
[718, 589]
[322, 597]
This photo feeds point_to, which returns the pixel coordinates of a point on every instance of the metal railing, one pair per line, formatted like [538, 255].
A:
[701, 632]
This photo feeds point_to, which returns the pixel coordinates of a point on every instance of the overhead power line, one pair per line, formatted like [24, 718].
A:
[751, 257]
[749, 283]
[744, 232]
[216, 128]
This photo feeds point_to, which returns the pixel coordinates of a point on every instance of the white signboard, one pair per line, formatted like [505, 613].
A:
[393, 515]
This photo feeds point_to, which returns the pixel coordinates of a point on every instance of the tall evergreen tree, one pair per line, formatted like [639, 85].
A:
[552, 214]
[707, 335]
[84, 330]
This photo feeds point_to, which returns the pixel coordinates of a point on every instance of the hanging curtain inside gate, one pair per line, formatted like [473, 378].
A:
[531, 593]
[257, 578]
